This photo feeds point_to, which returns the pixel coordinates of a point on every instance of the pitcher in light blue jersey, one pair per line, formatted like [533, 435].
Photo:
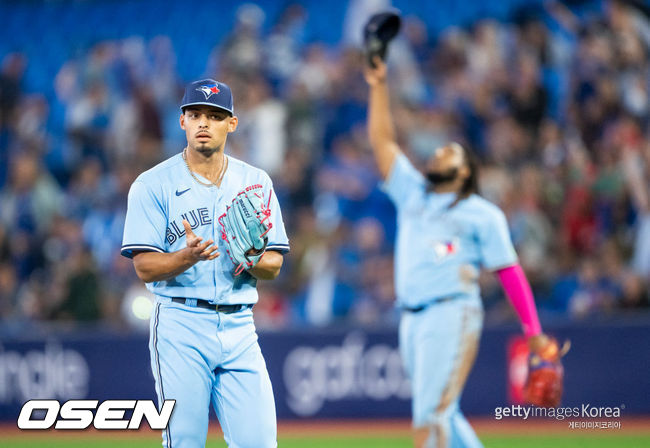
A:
[446, 233]
[203, 341]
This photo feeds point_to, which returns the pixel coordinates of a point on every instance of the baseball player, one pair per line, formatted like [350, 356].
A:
[203, 342]
[446, 233]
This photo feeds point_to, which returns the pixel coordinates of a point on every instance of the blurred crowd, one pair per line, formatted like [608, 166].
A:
[556, 105]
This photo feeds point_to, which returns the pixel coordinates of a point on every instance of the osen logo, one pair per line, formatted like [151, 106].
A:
[78, 414]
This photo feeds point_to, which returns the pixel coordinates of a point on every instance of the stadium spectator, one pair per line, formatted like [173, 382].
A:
[554, 100]
[82, 290]
[11, 75]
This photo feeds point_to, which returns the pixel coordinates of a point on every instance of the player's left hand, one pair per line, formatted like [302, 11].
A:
[375, 75]
[244, 228]
[545, 371]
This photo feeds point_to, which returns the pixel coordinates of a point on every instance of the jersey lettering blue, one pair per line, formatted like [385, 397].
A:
[196, 218]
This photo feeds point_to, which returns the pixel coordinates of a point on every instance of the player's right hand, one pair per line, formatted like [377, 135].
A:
[199, 251]
[375, 76]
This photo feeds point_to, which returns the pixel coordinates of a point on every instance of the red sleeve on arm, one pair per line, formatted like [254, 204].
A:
[518, 290]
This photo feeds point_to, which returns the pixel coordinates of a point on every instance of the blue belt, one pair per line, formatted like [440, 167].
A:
[200, 303]
[417, 309]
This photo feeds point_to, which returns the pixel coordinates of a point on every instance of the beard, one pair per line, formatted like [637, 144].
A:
[442, 177]
[206, 149]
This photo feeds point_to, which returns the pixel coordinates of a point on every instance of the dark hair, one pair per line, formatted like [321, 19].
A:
[470, 186]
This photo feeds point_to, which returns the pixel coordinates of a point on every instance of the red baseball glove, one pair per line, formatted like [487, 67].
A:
[545, 372]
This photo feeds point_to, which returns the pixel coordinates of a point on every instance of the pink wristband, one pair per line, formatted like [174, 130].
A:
[518, 290]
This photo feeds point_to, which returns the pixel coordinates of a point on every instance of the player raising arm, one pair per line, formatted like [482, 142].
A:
[445, 234]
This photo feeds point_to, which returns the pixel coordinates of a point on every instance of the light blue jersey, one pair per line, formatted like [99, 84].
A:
[163, 196]
[198, 355]
[439, 253]
[439, 249]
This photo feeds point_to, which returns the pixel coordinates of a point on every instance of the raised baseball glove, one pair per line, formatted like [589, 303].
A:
[380, 29]
[545, 374]
[244, 227]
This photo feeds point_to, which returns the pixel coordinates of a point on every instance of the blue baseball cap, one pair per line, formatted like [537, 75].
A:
[208, 92]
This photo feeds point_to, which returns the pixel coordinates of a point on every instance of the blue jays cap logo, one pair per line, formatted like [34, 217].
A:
[213, 93]
[209, 90]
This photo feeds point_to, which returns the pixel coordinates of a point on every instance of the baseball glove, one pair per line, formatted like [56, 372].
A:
[380, 29]
[244, 228]
[545, 374]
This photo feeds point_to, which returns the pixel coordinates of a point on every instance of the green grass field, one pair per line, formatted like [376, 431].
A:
[610, 440]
